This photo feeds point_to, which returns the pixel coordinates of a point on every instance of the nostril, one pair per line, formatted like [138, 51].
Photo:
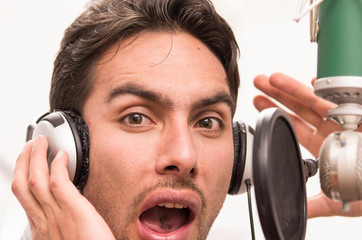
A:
[172, 168]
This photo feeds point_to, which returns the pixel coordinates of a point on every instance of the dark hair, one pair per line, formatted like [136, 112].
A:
[106, 22]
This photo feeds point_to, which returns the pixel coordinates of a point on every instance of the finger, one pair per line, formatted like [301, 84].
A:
[301, 92]
[261, 102]
[62, 188]
[72, 204]
[31, 223]
[262, 83]
[34, 231]
[318, 207]
[307, 136]
[39, 177]
[20, 186]
[305, 133]
[39, 185]
[40, 230]
[321, 206]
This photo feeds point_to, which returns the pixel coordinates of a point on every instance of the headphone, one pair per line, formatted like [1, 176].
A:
[67, 131]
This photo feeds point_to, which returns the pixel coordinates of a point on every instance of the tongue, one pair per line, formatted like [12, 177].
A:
[164, 220]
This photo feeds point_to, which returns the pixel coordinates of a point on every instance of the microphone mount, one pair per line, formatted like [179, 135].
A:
[310, 167]
[346, 92]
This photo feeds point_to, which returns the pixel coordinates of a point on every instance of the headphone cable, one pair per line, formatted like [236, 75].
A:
[248, 187]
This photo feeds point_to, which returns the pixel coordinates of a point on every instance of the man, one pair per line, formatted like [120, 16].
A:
[156, 82]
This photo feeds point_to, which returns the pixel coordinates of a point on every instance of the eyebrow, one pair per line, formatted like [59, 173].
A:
[137, 90]
[140, 91]
[220, 97]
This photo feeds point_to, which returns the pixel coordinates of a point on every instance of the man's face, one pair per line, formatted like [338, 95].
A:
[161, 148]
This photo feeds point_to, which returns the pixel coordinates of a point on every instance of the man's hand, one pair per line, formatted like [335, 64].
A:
[311, 126]
[54, 207]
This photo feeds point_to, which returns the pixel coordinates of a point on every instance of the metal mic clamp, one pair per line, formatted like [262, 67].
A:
[346, 91]
[310, 167]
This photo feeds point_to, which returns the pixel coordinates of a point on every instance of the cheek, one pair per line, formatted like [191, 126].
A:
[114, 157]
[119, 156]
[223, 170]
[217, 167]
[215, 172]
[115, 164]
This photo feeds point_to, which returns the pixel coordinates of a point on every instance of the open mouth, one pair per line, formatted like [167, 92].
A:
[169, 214]
[166, 217]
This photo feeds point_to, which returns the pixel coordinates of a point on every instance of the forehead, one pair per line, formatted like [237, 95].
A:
[173, 63]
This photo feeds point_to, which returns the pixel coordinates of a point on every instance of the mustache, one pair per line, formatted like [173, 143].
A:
[168, 183]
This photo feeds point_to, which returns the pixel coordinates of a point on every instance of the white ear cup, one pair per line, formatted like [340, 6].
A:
[65, 131]
[60, 137]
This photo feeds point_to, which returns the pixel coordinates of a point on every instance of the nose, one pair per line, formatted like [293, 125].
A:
[177, 154]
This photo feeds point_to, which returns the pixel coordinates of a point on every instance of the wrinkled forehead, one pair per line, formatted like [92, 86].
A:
[154, 48]
[176, 62]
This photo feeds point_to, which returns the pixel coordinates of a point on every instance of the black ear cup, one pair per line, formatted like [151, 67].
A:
[243, 138]
[239, 139]
[66, 131]
[239, 160]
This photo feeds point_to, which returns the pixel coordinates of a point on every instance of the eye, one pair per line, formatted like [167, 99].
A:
[136, 120]
[210, 123]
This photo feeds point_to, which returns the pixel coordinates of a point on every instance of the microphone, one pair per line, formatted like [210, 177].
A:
[339, 71]
[338, 31]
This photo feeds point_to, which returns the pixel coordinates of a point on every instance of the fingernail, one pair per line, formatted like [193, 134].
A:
[59, 154]
[27, 145]
[37, 140]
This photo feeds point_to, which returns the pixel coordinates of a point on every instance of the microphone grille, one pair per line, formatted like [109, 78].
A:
[359, 166]
[325, 166]
[338, 181]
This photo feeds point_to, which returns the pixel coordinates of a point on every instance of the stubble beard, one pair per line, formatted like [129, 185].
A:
[121, 230]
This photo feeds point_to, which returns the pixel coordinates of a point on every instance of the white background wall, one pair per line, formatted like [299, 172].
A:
[30, 33]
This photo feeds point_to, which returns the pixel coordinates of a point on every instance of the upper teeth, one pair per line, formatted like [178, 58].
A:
[172, 205]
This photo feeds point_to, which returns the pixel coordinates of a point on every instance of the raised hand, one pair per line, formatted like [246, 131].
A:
[309, 118]
[54, 207]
